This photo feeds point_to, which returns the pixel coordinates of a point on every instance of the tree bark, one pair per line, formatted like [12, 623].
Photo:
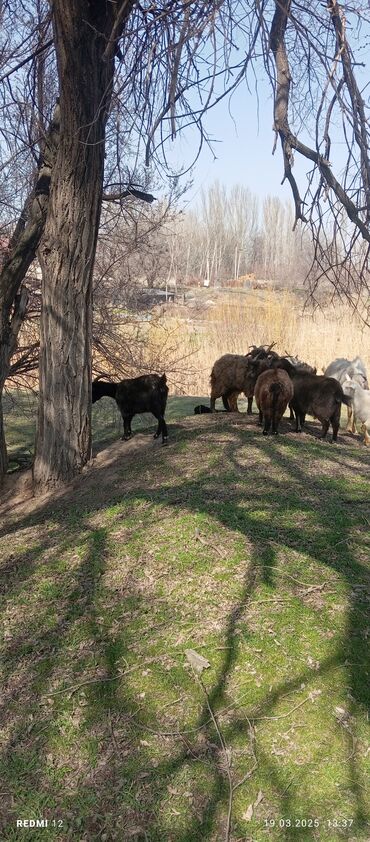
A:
[82, 31]
[22, 251]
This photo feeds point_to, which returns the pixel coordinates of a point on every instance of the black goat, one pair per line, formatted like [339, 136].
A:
[314, 395]
[147, 393]
[201, 409]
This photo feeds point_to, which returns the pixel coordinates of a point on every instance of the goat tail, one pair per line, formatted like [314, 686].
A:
[275, 390]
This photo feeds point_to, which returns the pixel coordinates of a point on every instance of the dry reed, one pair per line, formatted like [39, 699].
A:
[234, 323]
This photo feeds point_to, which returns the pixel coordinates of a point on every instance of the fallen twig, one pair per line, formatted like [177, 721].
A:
[283, 715]
[245, 777]
[225, 754]
[116, 746]
[199, 537]
[251, 742]
[297, 582]
[74, 687]
[170, 704]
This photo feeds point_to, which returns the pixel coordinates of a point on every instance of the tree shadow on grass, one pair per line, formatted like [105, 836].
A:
[31, 666]
[328, 543]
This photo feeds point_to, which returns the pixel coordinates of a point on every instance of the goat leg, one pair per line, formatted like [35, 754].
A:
[324, 428]
[232, 401]
[127, 432]
[161, 428]
[164, 431]
[350, 420]
[267, 425]
[213, 402]
[366, 435]
[298, 426]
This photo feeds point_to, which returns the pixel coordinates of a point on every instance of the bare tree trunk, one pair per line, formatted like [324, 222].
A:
[83, 35]
[22, 251]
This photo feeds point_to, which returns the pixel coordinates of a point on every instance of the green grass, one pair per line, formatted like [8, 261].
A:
[20, 412]
[252, 551]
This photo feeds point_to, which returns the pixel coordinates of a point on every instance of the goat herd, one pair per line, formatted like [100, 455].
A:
[275, 382]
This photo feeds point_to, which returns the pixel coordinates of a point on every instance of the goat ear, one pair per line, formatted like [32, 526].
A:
[346, 376]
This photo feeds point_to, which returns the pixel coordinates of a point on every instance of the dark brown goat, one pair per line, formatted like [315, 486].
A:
[231, 375]
[273, 391]
[315, 395]
[228, 376]
[147, 393]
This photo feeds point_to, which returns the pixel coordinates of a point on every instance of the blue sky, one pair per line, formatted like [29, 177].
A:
[243, 143]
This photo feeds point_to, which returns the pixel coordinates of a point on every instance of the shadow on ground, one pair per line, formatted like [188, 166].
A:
[50, 617]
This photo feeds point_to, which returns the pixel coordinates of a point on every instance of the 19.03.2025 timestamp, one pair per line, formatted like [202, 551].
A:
[303, 822]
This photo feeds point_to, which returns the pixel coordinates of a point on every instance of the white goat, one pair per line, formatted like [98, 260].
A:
[342, 369]
[360, 405]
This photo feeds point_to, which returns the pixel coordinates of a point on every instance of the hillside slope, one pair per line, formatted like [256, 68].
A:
[252, 551]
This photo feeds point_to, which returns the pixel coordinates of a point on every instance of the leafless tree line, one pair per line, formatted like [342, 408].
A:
[232, 233]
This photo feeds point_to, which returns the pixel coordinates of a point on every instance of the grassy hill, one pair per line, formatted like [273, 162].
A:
[252, 551]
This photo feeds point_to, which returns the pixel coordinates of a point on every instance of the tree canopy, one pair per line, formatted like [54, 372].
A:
[127, 78]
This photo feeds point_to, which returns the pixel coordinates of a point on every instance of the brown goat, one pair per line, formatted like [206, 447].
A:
[316, 395]
[233, 373]
[228, 376]
[273, 391]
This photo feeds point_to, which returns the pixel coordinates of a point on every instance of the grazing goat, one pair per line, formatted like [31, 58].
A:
[147, 393]
[230, 375]
[360, 404]
[273, 391]
[302, 367]
[355, 370]
[315, 395]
